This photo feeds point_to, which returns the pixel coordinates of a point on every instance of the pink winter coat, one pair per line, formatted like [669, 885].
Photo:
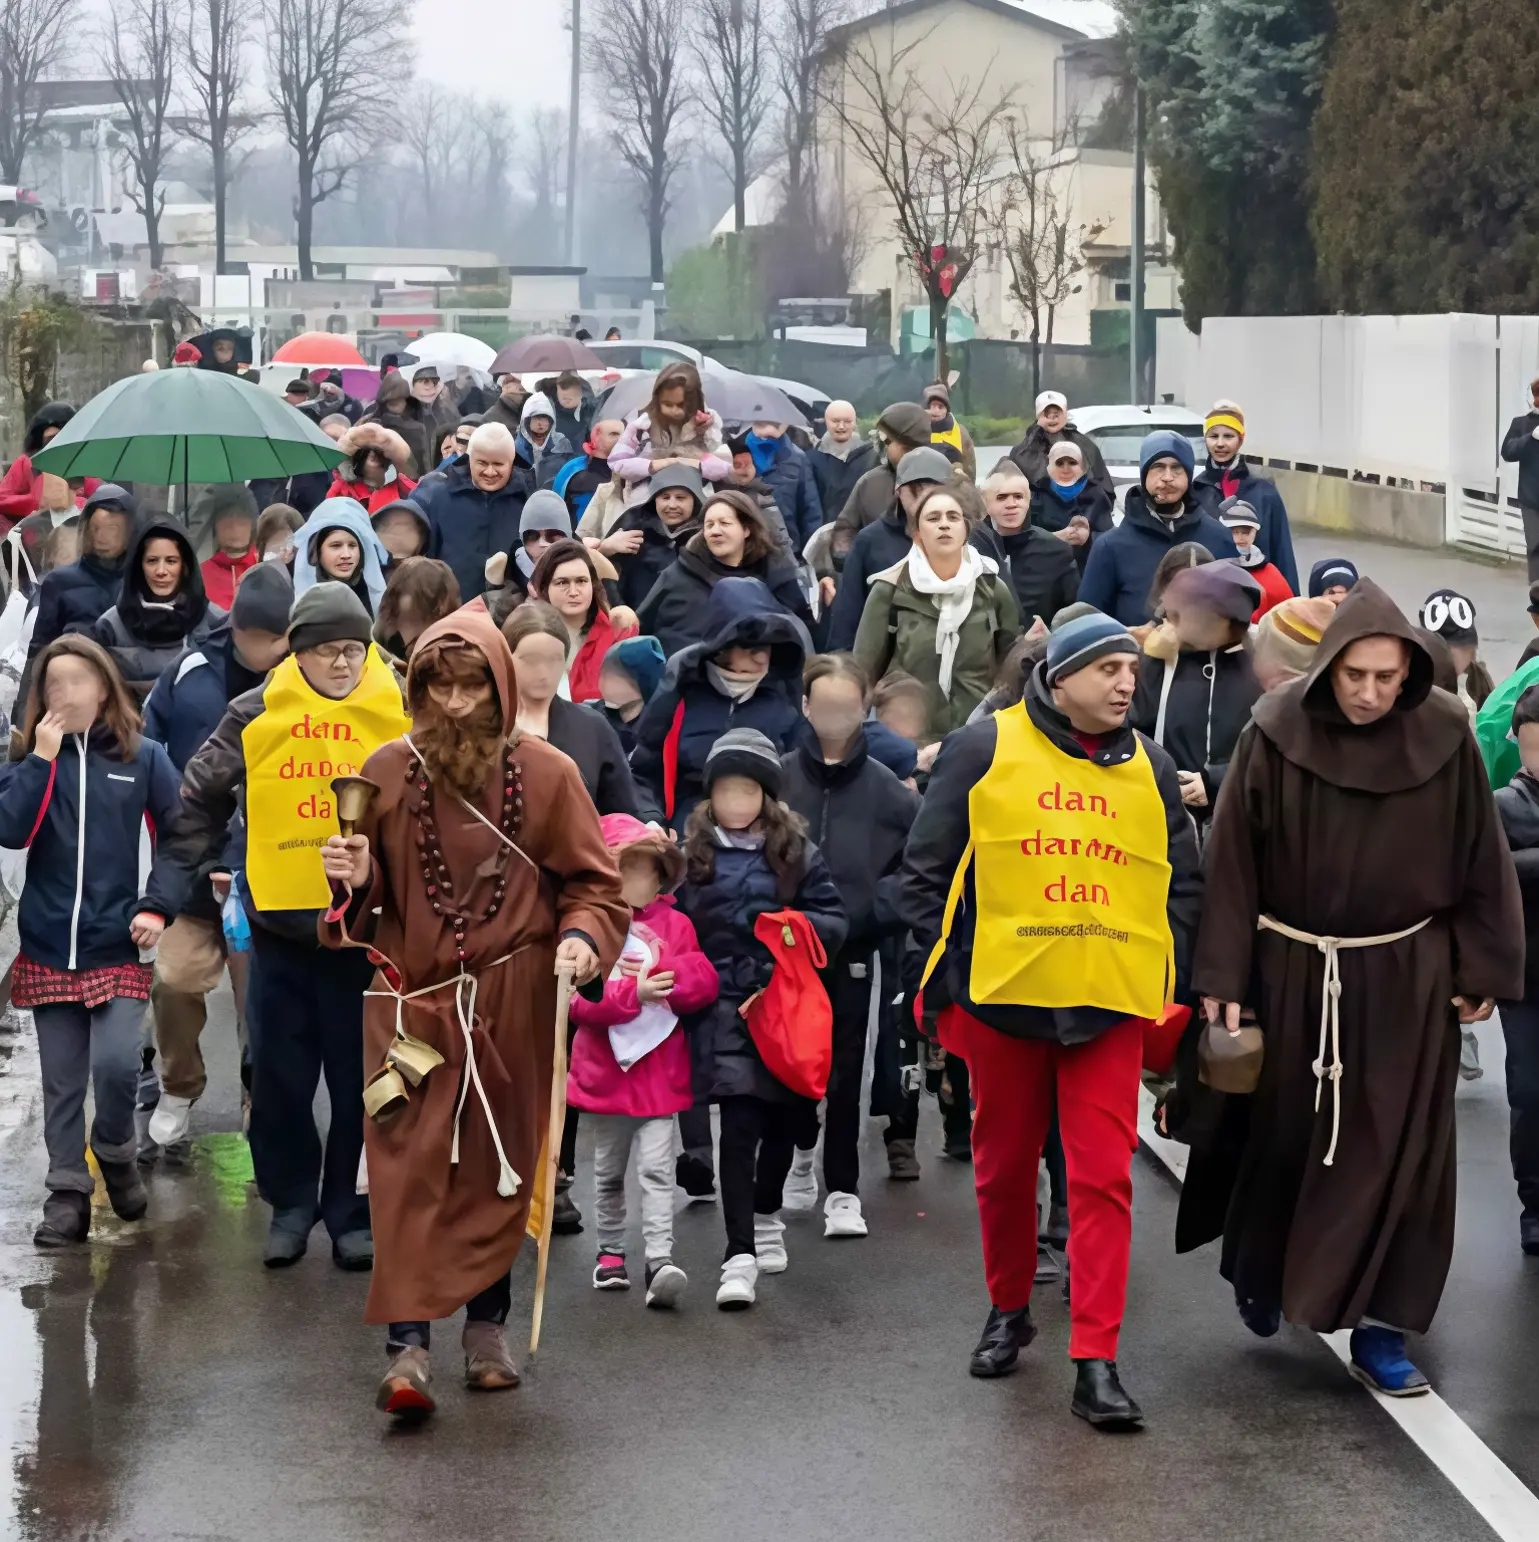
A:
[634, 451]
[658, 1085]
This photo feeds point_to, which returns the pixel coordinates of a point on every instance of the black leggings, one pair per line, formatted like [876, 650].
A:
[489, 1305]
[757, 1138]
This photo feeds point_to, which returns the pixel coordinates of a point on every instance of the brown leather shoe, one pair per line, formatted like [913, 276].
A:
[488, 1366]
[404, 1390]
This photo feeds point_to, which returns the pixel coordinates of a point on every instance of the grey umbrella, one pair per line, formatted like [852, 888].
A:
[738, 399]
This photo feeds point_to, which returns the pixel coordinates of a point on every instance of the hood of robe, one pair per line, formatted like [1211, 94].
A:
[1407, 747]
[475, 628]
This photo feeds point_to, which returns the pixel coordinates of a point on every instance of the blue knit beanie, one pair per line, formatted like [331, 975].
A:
[1083, 641]
[641, 658]
[1164, 441]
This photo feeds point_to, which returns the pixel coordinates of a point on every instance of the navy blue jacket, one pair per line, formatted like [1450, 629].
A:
[835, 479]
[1120, 572]
[469, 525]
[723, 910]
[79, 817]
[676, 609]
[740, 611]
[75, 598]
[1274, 536]
[191, 697]
[789, 477]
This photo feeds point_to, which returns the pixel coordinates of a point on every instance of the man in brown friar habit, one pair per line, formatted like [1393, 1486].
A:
[478, 872]
[1361, 899]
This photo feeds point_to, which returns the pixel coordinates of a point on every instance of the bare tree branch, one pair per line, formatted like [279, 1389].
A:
[139, 57]
[215, 36]
[935, 157]
[36, 36]
[800, 44]
[422, 133]
[635, 47]
[732, 59]
[329, 63]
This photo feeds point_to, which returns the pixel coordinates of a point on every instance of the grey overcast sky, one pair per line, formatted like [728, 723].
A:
[516, 50]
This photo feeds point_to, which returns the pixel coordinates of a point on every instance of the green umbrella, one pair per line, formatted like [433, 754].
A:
[177, 426]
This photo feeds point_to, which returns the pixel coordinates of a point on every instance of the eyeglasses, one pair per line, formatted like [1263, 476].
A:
[338, 653]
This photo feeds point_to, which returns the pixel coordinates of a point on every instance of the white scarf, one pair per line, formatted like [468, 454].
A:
[953, 600]
[736, 688]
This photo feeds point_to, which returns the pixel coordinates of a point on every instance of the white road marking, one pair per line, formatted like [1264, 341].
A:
[1509, 1508]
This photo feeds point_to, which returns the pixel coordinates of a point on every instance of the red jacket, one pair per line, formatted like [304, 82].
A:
[1274, 588]
[373, 498]
[582, 676]
[221, 573]
[21, 490]
[658, 1085]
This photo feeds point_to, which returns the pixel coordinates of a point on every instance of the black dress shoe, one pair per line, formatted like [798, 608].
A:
[1528, 1235]
[1261, 1319]
[1005, 1335]
[1100, 1400]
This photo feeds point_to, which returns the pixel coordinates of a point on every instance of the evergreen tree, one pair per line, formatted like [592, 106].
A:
[1232, 88]
[1427, 157]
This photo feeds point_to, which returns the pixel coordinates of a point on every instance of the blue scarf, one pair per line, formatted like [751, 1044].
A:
[762, 450]
[1071, 492]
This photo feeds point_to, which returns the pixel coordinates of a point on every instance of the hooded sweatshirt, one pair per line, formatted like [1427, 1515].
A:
[73, 598]
[368, 581]
[556, 445]
[144, 634]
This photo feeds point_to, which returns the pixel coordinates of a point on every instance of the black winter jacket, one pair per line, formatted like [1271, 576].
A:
[675, 609]
[1040, 567]
[660, 549]
[584, 736]
[939, 842]
[836, 479]
[1518, 805]
[1031, 455]
[859, 814]
[1049, 512]
[1521, 446]
[723, 910]
[80, 816]
[1208, 703]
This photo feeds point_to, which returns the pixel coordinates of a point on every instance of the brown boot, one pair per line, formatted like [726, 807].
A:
[488, 1366]
[404, 1390]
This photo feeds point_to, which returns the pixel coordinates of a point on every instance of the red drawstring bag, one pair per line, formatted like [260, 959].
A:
[790, 1020]
[1162, 1038]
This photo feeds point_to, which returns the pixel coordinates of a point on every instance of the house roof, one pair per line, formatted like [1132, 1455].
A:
[1067, 19]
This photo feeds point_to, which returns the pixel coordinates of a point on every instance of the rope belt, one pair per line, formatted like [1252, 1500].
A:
[465, 986]
[1330, 1005]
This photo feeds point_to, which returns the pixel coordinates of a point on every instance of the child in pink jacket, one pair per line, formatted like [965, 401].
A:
[630, 1071]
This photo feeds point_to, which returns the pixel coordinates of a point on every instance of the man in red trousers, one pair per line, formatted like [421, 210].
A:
[1052, 878]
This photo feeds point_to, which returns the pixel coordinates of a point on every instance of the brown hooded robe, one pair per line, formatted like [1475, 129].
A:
[1350, 831]
[442, 1233]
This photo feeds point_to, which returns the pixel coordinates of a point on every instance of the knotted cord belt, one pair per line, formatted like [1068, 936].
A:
[465, 986]
[1330, 1005]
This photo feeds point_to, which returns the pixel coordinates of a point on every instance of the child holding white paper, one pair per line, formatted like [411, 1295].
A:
[630, 1070]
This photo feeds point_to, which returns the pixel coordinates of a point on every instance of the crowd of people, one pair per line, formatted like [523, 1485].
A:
[780, 758]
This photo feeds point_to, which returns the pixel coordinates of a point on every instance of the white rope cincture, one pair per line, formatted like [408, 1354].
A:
[1330, 1006]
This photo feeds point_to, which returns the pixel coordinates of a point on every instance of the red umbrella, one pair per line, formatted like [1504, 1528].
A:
[319, 348]
[553, 353]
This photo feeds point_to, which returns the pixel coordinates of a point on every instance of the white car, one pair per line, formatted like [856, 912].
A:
[1119, 431]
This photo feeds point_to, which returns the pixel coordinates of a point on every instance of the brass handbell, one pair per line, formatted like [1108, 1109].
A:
[385, 1094]
[354, 795]
[412, 1057]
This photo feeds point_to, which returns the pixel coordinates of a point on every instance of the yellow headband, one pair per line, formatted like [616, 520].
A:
[1224, 420]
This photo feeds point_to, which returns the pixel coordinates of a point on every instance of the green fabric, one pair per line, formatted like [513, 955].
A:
[1493, 724]
[187, 425]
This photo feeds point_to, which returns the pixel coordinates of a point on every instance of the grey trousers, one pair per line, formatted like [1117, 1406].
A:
[613, 1135]
[76, 1044]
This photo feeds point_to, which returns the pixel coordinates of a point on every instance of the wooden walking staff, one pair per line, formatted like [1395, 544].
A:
[564, 980]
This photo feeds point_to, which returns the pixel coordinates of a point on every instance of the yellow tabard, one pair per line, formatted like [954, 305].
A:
[293, 749]
[951, 436]
[1071, 877]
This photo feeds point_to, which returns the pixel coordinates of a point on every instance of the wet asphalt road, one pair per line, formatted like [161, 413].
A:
[161, 1386]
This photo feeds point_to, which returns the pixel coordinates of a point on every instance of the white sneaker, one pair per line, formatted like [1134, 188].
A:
[739, 1275]
[769, 1244]
[665, 1283]
[801, 1186]
[168, 1124]
[842, 1217]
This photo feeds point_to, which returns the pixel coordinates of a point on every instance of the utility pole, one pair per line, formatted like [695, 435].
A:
[1136, 270]
[574, 110]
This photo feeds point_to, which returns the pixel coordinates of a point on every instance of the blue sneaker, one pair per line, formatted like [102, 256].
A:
[1379, 1361]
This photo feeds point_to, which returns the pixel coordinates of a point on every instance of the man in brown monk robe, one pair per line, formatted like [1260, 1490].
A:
[1360, 898]
[479, 870]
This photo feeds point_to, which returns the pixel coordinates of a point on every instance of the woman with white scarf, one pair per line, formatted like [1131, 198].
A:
[942, 615]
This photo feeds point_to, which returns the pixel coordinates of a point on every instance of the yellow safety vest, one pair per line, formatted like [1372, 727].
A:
[300, 741]
[951, 436]
[1071, 875]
